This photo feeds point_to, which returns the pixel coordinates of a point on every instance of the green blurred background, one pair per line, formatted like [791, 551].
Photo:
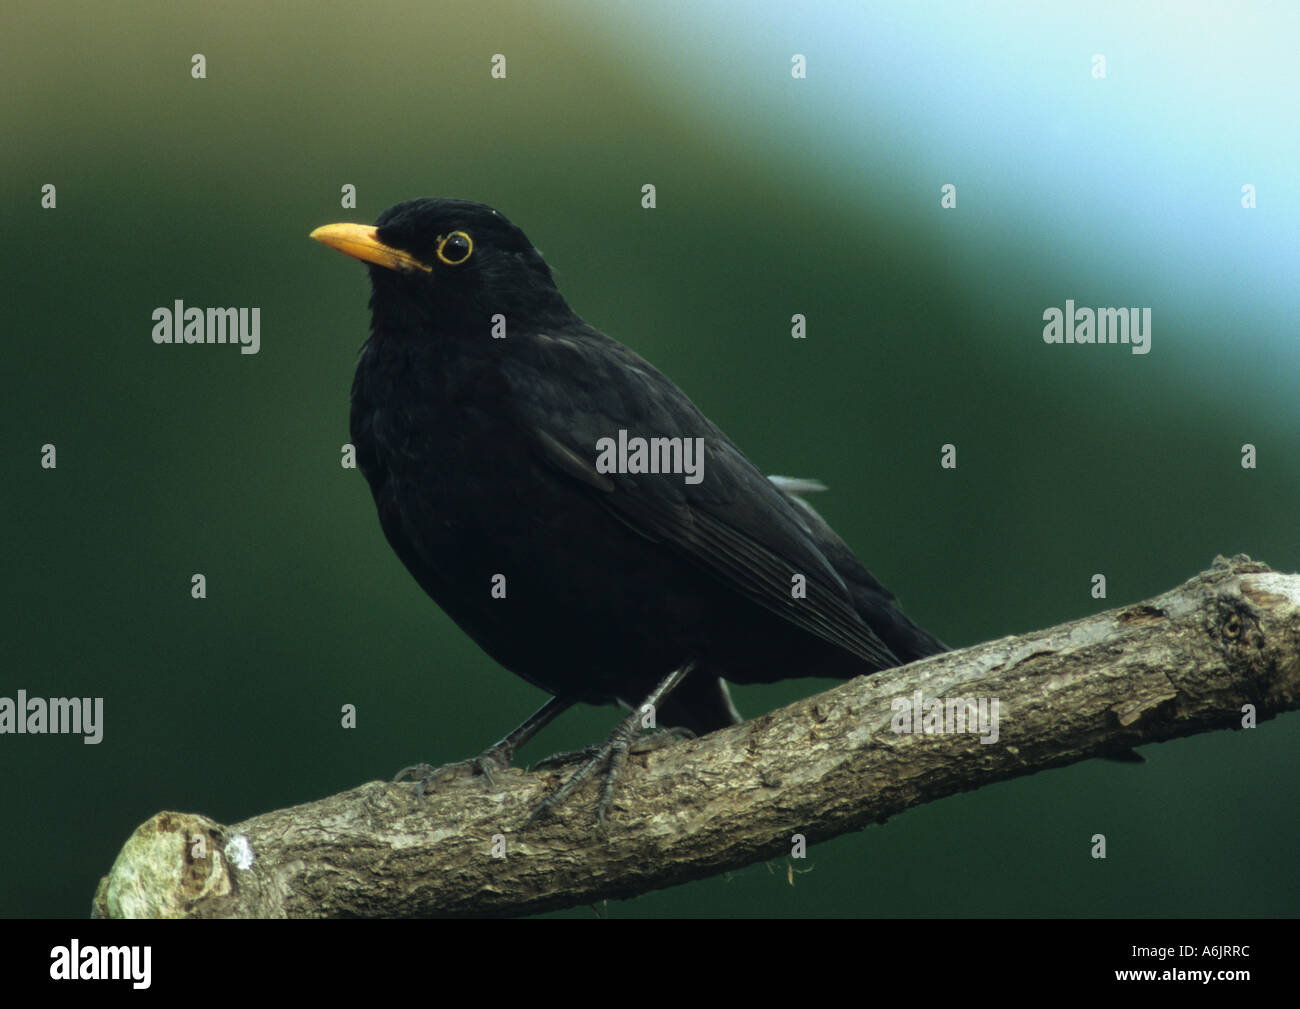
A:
[775, 196]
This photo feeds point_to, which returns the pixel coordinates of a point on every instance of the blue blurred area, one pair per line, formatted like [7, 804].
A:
[1138, 174]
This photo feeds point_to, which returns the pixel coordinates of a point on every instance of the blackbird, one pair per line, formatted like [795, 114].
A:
[571, 509]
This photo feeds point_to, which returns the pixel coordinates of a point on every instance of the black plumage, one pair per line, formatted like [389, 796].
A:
[481, 455]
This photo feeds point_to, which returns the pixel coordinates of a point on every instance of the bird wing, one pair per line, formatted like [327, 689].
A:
[574, 389]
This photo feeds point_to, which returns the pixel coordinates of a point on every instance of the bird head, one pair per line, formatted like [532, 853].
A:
[452, 262]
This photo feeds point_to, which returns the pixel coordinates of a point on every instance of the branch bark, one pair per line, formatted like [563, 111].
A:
[1185, 662]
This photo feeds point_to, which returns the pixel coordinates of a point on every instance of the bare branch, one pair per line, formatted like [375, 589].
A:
[1185, 662]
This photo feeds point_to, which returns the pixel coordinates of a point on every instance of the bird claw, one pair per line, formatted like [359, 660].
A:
[547, 806]
[564, 757]
[614, 752]
[646, 742]
[487, 765]
[422, 774]
[423, 770]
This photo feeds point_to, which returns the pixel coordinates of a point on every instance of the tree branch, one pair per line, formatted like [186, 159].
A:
[1185, 662]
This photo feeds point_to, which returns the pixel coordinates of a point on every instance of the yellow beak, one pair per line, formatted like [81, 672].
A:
[360, 241]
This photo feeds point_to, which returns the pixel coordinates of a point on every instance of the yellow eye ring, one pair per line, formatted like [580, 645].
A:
[455, 248]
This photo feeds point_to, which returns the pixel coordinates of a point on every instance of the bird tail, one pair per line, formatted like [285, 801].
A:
[702, 702]
[874, 603]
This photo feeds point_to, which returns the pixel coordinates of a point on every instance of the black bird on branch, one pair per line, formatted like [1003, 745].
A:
[485, 413]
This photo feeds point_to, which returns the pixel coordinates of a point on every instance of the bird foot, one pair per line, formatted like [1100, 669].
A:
[564, 757]
[646, 742]
[611, 755]
[487, 764]
[613, 752]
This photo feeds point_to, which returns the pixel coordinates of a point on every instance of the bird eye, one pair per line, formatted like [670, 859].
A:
[455, 248]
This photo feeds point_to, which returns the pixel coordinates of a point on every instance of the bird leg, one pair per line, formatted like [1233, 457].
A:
[496, 757]
[612, 752]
